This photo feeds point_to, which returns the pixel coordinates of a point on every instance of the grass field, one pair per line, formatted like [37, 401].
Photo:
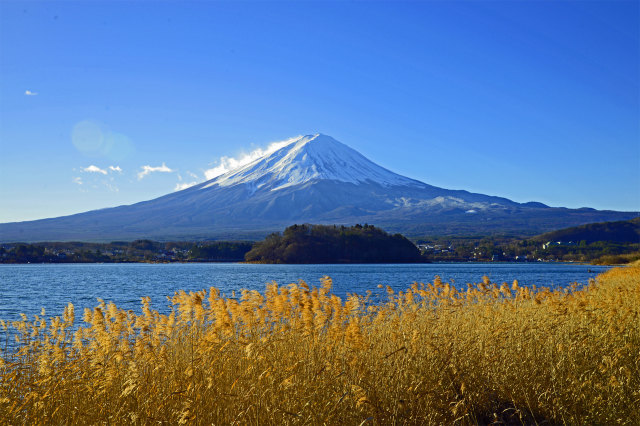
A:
[429, 355]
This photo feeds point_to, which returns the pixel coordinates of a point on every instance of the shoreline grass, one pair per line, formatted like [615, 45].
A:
[293, 354]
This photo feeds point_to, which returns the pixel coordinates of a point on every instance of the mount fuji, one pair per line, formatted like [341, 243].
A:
[313, 179]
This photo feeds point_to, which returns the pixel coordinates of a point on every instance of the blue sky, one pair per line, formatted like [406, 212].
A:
[525, 100]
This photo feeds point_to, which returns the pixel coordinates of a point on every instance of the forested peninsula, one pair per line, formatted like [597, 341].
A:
[334, 244]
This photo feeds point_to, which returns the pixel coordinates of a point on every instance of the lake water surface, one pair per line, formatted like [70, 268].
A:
[28, 288]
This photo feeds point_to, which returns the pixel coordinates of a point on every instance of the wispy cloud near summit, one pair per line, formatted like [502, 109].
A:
[184, 185]
[226, 164]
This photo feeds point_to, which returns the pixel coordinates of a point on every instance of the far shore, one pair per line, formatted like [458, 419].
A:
[469, 262]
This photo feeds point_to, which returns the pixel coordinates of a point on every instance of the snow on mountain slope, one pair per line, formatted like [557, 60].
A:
[308, 158]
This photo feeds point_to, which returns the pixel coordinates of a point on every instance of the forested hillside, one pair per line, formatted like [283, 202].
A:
[625, 231]
[334, 244]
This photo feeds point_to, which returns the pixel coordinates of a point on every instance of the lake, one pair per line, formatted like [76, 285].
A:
[28, 288]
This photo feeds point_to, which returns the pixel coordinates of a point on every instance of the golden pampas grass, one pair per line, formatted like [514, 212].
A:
[433, 354]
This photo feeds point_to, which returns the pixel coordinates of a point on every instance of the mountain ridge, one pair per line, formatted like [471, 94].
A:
[312, 179]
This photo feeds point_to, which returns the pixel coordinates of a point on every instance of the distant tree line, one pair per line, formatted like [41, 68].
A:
[605, 242]
[223, 251]
[510, 249]
[608, 242]
[122, 251]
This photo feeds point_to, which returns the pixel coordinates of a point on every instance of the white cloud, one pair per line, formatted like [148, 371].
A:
[77, 180]
[185, 185]
[149, 169]
[224, 167]
[115, 169]
[30, 93]
[227, 164]
[94, 169]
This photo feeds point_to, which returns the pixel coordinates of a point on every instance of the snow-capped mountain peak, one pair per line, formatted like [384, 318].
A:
[309, 179]
[308, 158]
